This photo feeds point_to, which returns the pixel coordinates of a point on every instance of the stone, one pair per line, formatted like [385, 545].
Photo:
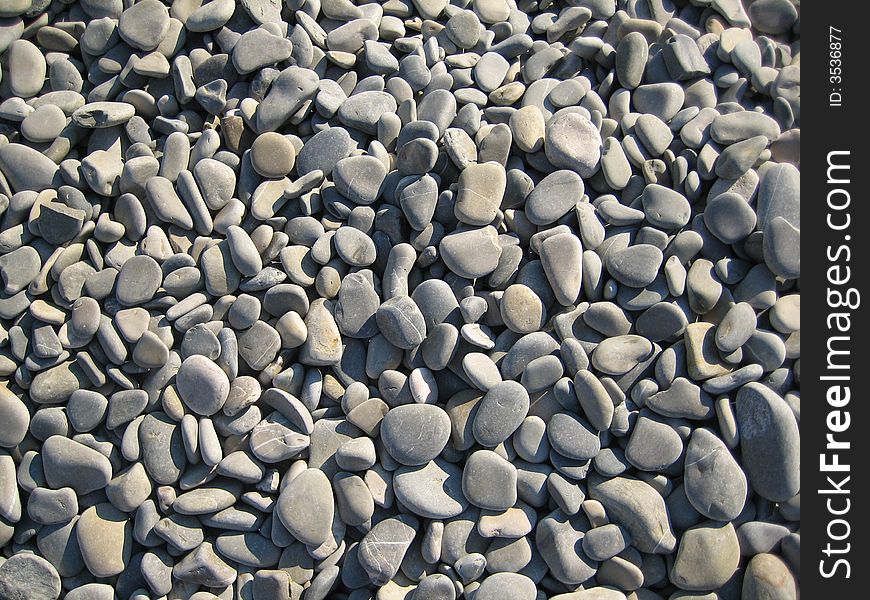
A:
[68, 463]
[29, 576]
[769, 442]
[203, 386]
[714, 482]
[638, 508]
[414, 434]
[489, 481]
[767, 575]
[15, 416]
[431, 491]
[306, 507]
[500, 413]
[572, 142]
[105, 537]
[473, 253]
[707, 557]
[384, 546]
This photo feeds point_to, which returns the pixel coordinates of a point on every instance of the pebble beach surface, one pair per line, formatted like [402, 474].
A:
[399, 299]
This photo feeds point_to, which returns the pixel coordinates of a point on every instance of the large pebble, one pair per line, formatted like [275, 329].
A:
[769, 441]
[414, 434]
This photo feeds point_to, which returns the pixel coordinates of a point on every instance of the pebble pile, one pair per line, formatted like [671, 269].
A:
[399, 299]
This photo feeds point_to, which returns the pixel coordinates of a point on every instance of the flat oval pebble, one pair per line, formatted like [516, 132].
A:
[489, 481]
[572, 437]
[620, 354]
[306, 507]
[16, 419]
[554, 196]
[272, 155]
[384, 546]
[415, 434]
[203, 386]
[635, 266]
[573, 142]
[768, 436]
[473, 253]
[500, 413]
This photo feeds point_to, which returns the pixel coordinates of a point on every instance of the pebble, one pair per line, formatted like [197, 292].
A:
[509, 586]
[707, 557]
[619, 354]
[401, 322]
[203, 386]
[15, 416]
[68, 463]
[572, 437]
[384, 546]
[359, 178]
[768, 436]
[714, 483]
[768, 575]
[431, 491]
[472, 253]
[306, 507]
[354, 247]
[636, 266]
[653, 445]
[162, 448]
[500, 413]
[638, 507]
[572, 142]
[553, 197]
[479, 193]
[29, 576]
[105, 538]
[414, 434]
[489, 481]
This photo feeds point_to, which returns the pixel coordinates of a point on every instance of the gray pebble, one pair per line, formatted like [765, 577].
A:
[776, 442]
[489, 481]
[500, 413]
[415, 434]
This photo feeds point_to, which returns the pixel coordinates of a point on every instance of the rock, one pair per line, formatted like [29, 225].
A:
[506, 586]
[769, 442]
[479, 194]
[203, 386]
[15, 416]
[162, 448]
[638, 508]
[707, 557]
[572, 142]
[500, 413]
[472, 253]
[414, 434]
[382, 549]
[558, 539]
[68, 463]
[489, 481]
[306, 507]
[767, 576]
[715, 484]
[29, 576]
[431, 491]
[105, 537]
